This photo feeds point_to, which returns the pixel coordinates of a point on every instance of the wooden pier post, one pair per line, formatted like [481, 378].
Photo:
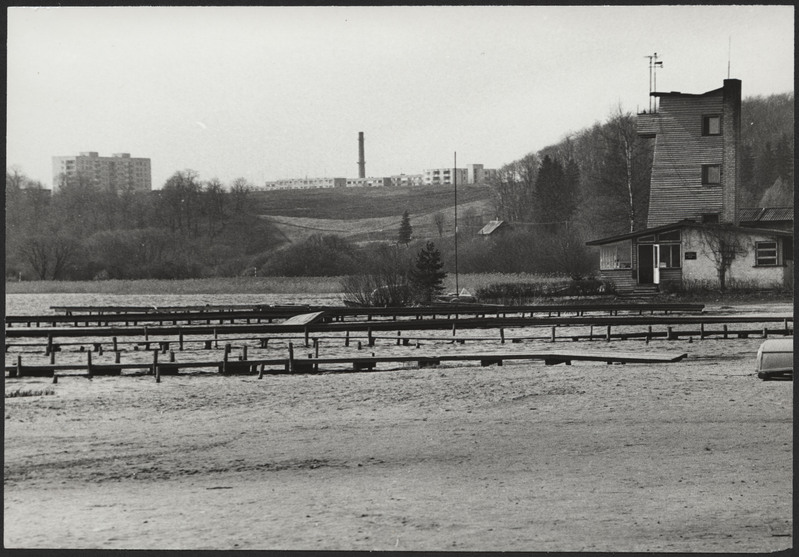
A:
[49, 348]
[216, 339]
[19, 366]
[371, 338]
[607, 335]
[89, 364]
[591, 333]
[172, 356]
[649, 334]
[502, 335]
[224, 359]
[291, 357]
[116, 357]
[305, 334]
[724, 329]
[399, 340]
[114, 340]
[146, 334]
[244, 353]
[52, 357]
[359, 345]
[347, 338]
[180, 340]
[156, 369]
[552, 339]
[701, 331]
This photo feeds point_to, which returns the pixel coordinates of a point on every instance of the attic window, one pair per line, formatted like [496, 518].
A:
[711, 174]
[711, 125]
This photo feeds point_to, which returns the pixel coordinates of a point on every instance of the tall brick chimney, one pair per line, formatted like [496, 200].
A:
[361, 160]
[731, 158]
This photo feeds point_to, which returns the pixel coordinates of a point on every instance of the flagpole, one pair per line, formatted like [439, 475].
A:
[455, 176]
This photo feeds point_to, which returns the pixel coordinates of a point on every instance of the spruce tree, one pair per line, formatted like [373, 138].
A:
[427, 278]
[405, 230]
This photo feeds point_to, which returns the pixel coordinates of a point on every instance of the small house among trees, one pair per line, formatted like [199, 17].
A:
[494, 228]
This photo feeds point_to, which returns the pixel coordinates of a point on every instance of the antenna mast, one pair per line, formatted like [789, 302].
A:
[729, 55]
[455, 180]
[653, 76]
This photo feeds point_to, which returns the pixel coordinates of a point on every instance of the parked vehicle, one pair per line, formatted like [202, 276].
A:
[775, 360]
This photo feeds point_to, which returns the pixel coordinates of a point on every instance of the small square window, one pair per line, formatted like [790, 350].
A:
[711, 174]
[766, 254]
[711, 125]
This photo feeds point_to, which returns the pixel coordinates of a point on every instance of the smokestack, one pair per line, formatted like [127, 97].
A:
[361, 160]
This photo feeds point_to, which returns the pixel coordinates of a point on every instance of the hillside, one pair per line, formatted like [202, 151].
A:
[371, 214]
[386, 228]
[361, 203]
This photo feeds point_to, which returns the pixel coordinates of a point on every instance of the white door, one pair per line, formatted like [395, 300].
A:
[656, 264]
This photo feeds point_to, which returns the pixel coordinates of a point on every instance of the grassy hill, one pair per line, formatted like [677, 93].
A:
[361, 203]
[370, 214]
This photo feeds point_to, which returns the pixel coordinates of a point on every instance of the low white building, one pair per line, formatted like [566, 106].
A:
[687, 253]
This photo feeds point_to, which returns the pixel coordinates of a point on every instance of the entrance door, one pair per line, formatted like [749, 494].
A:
[656, 264]
[646, 264]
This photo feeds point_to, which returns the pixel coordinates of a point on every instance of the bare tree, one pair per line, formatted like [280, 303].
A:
[514, 189]
[724, 245]
[49, 255]
[240, 190]
[439, 220]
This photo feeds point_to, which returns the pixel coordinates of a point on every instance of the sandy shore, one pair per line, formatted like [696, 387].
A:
[690, 456]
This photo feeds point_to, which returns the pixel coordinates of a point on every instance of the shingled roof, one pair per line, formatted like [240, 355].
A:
[766, 214]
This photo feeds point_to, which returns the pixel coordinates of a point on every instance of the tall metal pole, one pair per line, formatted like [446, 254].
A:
[455, 176]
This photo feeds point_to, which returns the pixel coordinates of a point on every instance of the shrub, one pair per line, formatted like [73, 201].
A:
[524, 293]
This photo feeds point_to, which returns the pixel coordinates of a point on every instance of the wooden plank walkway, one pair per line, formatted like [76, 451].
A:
[355, 363]
[107, 315]
[404, 325]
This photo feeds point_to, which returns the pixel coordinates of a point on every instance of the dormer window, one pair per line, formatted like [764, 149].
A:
[711, 125]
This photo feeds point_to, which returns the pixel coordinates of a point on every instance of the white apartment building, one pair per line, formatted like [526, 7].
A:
[306, 183]
[116, 173]
[443, 176]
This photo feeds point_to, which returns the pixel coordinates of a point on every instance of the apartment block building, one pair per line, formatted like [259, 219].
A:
[117, 173]
[444, 176]
[305, 183]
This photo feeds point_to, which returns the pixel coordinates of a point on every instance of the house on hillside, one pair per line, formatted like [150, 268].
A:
[696, 233]
[494, 228]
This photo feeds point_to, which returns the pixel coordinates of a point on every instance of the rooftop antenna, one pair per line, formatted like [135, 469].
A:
[455, 176]
[729, 55]
[653, 78]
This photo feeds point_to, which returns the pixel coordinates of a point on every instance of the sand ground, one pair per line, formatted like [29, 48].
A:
[690, 456]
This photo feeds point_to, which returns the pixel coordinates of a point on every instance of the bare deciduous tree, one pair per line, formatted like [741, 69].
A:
[724, 245]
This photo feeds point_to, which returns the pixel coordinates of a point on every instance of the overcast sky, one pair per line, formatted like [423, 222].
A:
[269, 93]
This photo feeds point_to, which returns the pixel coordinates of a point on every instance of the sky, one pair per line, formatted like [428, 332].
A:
[268, 93]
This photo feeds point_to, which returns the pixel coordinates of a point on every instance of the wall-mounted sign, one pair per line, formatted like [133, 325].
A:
[690, 255]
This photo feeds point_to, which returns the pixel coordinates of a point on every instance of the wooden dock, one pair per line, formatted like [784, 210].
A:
[132, 315]
[315, 365]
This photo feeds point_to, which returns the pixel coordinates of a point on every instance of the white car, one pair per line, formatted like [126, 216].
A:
[775, 359]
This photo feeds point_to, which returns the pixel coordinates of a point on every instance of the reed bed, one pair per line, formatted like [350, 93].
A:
[225, 285]
[249, 285]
